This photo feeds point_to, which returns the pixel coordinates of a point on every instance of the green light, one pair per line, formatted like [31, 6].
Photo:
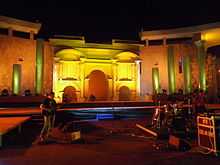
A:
[201, 62]
[155, 80]
[16, 79]
[187, 74]
[39, 66]
[171, 70]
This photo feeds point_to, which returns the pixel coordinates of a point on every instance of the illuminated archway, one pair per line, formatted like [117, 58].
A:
[98, 85]
[69, 94]
[124, 93]
[99, 74]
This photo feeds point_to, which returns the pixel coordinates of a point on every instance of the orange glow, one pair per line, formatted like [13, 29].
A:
[74, 67]
[211, 37]
[98, 85]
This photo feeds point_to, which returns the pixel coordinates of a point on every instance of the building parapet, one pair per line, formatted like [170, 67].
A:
[19, 25]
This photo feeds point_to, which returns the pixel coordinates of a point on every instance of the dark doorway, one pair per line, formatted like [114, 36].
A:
[124, 93]
[69, 94]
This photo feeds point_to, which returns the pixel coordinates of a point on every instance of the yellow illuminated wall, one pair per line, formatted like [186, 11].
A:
[69, 69]
[211, 37]
[125, 71]
[73, 67]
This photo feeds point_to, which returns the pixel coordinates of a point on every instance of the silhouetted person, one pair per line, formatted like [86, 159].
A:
[27, 92]
[163, 97]
[200, 101]
[4, 92]
[65, 98]
[180, 96]
[159, 114]
[48, 108]
[92, 97]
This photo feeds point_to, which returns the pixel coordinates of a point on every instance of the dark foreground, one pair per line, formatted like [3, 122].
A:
[103, 142]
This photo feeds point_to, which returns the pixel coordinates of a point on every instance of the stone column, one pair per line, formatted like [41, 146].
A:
[31, 35]
[147, 43]
[39, 66]
[55, 78]
[187, 74]
[114, 80]
[201, 56]
[82, 80]
[138, 77]
[117, 82]
[164, 41]
[211, 78]
[171, 70]
[10, 32]
[155, 80]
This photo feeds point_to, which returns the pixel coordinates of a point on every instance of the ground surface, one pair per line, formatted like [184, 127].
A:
[103, 142]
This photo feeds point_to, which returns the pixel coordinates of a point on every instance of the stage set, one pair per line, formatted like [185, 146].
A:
[115, 74]
[184, 58]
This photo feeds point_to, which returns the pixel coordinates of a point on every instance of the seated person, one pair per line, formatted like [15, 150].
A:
[4, 92]
[27, 92]
[92, 97]
[180, 96]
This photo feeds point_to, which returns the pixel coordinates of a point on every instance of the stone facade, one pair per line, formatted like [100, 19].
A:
[153, 56]
[48, 53]
[21, 51]
[64, 64]
[156, 56]
[76, 68]
[15, 50]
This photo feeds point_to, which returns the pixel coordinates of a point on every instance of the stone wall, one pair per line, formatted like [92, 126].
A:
[211, 78]
[153, 56]
[48, 68]
[189, 50]
[14, 50]
[194, 68]
[156, 56]
[179, 53]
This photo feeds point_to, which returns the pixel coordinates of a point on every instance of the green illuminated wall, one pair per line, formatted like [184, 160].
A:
[187, 74]
[201, 61]
[39, 66]
[171, 70]
[16, 79]
[155, 80]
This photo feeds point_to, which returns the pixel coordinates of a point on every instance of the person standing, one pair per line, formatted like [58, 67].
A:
[48, 108]
[200, 102]
[53, 105]
[163, 98]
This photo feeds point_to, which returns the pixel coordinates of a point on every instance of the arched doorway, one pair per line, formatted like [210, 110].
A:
[69, 95]
[98, 85]
[124, 93]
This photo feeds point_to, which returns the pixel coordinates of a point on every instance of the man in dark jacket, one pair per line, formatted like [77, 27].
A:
[48, 108]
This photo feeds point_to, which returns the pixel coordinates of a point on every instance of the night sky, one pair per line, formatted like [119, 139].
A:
[104, 20]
